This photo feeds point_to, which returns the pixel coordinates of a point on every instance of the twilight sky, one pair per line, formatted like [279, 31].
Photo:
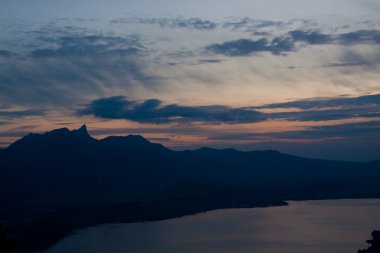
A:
[298, 76]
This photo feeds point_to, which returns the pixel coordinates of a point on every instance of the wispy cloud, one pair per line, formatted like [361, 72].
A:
[319, 109]
[250, 24]
[315, 103]
[244, 47]
[178, 22]
[89, 45]
[62, 67]
[291, 42]
[21, 113]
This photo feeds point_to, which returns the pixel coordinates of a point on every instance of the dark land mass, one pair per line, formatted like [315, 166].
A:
[56, 182]
[374, 242]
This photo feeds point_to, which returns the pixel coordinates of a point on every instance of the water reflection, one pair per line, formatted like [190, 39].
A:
[333, 226]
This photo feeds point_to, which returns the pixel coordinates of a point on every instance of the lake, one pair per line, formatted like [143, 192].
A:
[334, 226]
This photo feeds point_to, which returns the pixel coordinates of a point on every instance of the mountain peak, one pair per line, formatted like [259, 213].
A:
[83, 128]
[82, 131]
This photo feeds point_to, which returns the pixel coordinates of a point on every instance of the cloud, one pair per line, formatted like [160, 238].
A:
[311, 37]
[315, 103]
[360, 36]
[89, 45]
[344, 64]
[344, 130]
[22, 113]
[355, 37]
[62, 67]
[178, 22]
[266, 27]
[328, 114]
[209, 61]
[249, 24]
[152, 111]
[6, 53]
[319, 109]
[244, 47]
[291, 42]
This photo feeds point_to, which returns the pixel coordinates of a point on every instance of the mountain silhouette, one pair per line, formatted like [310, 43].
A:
[64, 162]
[374, 243]
[83, 181]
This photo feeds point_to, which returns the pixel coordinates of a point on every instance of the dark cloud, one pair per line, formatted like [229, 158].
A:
[328, 109]
[6, 53]
[361, 36]
[324, 115]
[344, 130]
[311, 37]
[89, 45]
[22, 113]
[179, 22]
[368, 100]
[249, 24]
[344, 64]
[319, 109]
[355, 37]
[170, 130]
[210, 61]
[244, 47]
[277, 45]
[152, 111]
[291, 42]
[263, 27]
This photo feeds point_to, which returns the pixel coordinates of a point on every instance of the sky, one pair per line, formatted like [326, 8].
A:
[298, 76]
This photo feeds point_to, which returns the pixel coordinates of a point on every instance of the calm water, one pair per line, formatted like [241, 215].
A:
[334, 226]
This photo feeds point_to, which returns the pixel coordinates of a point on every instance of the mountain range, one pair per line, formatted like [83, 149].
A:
[68, 180]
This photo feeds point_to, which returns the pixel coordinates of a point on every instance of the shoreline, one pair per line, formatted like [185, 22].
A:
[125, 219]
[44, 232]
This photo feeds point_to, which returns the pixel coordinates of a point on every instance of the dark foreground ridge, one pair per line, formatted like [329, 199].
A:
[374, 242]
[62, 180]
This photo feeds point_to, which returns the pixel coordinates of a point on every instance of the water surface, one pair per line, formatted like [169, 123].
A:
[334, 226]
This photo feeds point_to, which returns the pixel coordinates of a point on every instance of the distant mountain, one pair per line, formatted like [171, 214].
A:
[74, 175]
[65, 163]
